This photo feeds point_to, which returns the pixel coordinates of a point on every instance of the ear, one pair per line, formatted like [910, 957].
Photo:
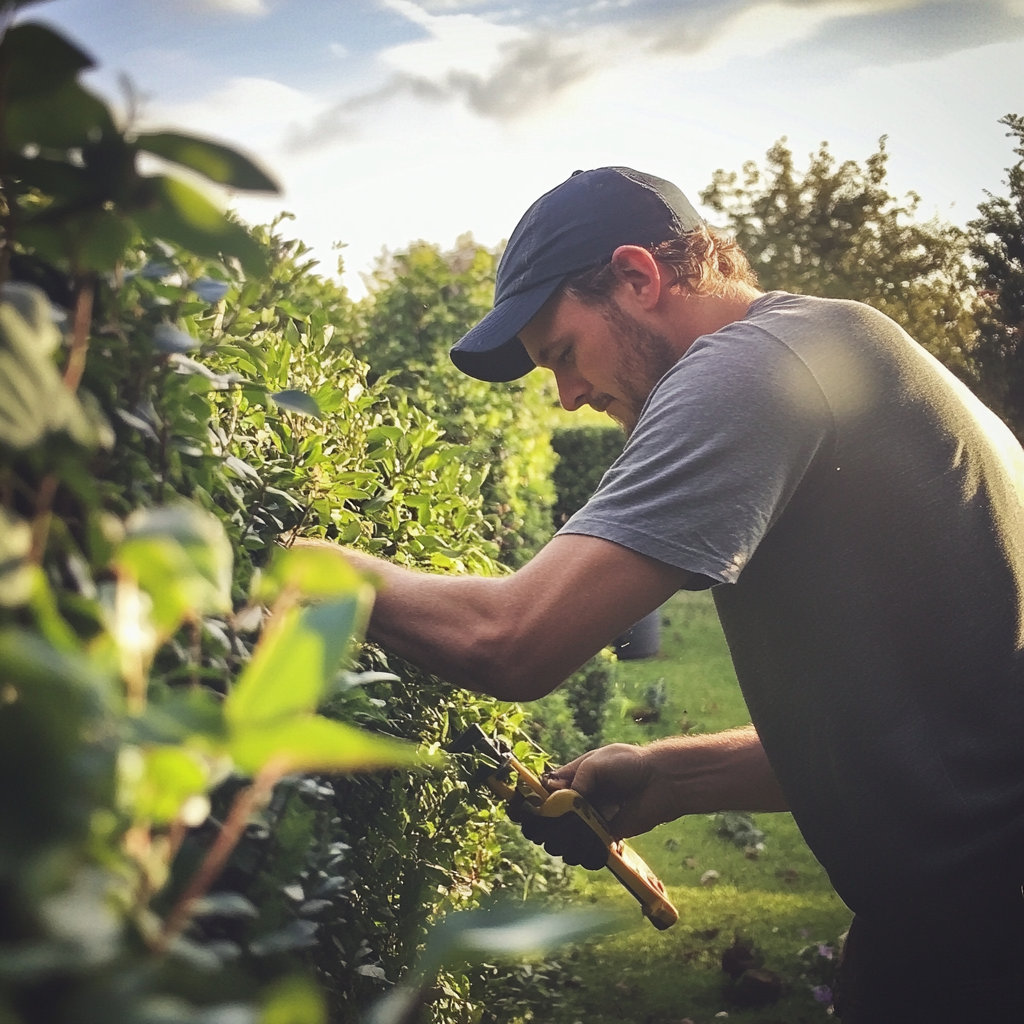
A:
[644, 278]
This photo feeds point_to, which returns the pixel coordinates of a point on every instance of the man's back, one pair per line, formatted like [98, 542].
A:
[870, 513]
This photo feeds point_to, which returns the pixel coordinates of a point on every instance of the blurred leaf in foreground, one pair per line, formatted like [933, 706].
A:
[474, 936]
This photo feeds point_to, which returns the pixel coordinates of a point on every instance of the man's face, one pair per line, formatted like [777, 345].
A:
[600, 355]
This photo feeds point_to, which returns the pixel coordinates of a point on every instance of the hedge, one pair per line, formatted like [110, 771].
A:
[201, 404]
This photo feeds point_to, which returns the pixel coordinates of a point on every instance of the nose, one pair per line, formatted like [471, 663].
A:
[573, 391]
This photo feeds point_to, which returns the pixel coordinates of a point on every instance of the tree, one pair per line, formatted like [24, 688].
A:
[422, 301]
[836, 230]
[997, 243]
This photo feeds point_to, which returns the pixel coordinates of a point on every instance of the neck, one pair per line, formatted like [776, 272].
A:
[693, 316]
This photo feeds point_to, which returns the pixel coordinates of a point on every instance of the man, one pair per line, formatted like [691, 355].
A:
[860, 516]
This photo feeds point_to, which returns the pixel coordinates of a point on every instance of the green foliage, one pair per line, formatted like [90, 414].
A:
[552, 726]
[570, 721]
[87, 831]
[422, 301]
[584, 454]
[480, 936]
[204, 403]
[997, 243]
[835, 230]
[79, 196]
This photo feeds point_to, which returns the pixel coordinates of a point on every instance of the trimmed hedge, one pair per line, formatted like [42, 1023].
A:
[422, 300]
[584, 454]
[203, 363]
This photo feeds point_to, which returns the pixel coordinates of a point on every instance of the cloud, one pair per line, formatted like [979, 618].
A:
[245, 110]
[926, 32]
[529, 73]
[504, 63]
[256, 8]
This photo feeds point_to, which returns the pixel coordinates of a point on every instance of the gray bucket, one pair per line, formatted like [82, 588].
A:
[642, 640]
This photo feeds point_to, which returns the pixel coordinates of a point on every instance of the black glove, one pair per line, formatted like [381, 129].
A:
[568, 837]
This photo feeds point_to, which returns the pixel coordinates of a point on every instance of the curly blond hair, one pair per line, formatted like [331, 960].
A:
[705, 261]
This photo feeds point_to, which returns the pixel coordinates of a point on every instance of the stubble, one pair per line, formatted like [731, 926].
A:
[644, 358]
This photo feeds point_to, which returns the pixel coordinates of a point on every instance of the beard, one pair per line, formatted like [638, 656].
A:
[644, 358]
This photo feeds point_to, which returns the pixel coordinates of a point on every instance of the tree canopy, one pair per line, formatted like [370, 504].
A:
[836, 230]
[997, 243]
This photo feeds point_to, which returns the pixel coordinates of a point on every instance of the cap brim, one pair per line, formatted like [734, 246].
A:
[492, 351]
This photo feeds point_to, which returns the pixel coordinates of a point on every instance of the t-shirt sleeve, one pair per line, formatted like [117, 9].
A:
[720, 448]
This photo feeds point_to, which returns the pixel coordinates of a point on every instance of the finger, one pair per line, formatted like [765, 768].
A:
[568, 837]
[611, 775]
[515, 808]
[562, 778]
[536, 829]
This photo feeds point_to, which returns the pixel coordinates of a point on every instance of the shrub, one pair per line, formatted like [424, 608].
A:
[422, 301]
[836, 230]
[208, 364]
[584, 454]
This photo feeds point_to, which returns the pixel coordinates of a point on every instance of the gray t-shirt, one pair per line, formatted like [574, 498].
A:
[867, 514]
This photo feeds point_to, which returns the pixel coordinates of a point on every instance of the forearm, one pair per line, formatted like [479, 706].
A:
[726, 771]
[516, 637]
[449, 625]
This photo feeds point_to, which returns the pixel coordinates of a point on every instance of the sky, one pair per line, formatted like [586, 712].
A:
[388, 121]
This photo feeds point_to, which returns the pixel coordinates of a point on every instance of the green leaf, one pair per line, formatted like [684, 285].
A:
[15, 571]
[62, 118]
[158, 782]
[311, 743]
[183, 715]
[213, 160]
[297, 401]
[33, 399]
[38, 59]
[55, 741]
[294, 1000]
[175, 212]
[473, 936]
[290, 668]
[315, 571]
[93, 240]
[181, 557]
[52, 177]
[290, 309]
[383, 434]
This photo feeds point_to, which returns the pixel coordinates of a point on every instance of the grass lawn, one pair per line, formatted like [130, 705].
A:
[782, 900]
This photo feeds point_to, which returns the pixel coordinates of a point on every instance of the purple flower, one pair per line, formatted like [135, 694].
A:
[825, 951]
[822, 993]
[804, 932]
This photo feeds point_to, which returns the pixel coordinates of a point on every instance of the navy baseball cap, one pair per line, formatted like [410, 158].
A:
[576, 225]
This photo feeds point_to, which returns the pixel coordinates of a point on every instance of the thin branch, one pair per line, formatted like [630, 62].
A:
[41, 521]
[80, 337]
[245, 804]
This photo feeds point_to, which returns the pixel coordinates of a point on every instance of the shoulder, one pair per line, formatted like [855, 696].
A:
[793, 319]
[758, 356]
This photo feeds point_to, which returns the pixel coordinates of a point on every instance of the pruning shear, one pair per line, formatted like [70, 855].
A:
[508, 778]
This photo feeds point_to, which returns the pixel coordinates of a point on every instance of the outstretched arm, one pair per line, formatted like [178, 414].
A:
[638, 788]
[517, 637]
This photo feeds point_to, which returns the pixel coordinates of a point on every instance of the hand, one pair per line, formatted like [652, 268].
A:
[610, 778]
[568, 837]
[617, 781]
